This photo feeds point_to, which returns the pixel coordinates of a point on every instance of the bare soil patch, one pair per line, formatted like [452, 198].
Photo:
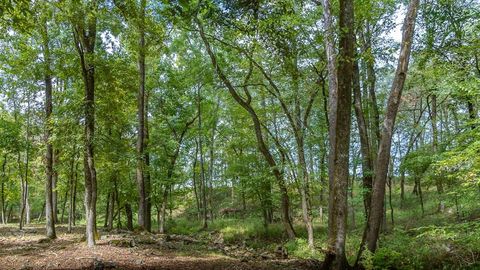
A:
[28, 249]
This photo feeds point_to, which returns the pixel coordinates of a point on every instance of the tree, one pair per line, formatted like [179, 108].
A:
[85, 32]
[50, 221]
[340, 91]
[383, 157]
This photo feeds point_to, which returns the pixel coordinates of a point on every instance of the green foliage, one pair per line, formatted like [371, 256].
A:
[299, 248]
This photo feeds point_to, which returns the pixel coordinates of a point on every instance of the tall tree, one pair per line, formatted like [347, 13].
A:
[340, 96]
[144, 213]
[85, 33]
[372, 228]
[50, 221]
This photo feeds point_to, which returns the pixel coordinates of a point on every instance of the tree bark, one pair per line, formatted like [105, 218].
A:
[50, 221]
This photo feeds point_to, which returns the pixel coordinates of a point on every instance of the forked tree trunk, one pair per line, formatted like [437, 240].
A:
[85, 36]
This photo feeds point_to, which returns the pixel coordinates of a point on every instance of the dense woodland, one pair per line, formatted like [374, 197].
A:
[346, 132]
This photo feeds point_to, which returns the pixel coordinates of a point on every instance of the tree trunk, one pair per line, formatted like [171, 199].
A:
[433, 118]
[105, 223]
[367, 159]
[25, 206]
[64, 205]
[85, 36]
[129, 215]
[144, 215]
[4, 178]
[119, 211]
[72, 186]
[54, 185]
[111, 209]
[339, 130]
[203, 179]
[50, 221]
[163, 212]
[383, 157]
[420, 194]
[194, 180]
[472, 115]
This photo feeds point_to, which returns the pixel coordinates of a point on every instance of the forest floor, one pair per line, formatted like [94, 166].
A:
[29, 249]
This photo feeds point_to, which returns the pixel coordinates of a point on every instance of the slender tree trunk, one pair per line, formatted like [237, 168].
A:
[72, 186]
[129, 215]
[212, 159]
[111, 210]
[367, 159]
[25, 206]
[41, 213]
[4, 179]
[105, 223]
[390, 184]
[194, 180]
[433, 118]
[74, 212]
[472, 115]
[202, 167]
[64, 205]
[383, 157]
[50, 221]
[54, 185]
[119, 211]
[420, 194]
[163, 212]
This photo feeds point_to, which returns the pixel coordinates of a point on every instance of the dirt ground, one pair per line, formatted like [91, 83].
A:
[28, 249]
